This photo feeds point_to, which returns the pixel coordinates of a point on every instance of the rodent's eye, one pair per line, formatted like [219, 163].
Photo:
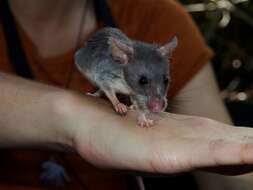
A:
[143, 80]
[166, 80]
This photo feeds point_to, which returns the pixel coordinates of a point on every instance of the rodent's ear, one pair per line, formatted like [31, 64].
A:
[78, 58]
[77, 55]
[167, 49]
[120, 51]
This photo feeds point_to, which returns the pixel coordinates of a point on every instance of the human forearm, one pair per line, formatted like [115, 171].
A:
[33, 114]
[201, 97]
[28, 114]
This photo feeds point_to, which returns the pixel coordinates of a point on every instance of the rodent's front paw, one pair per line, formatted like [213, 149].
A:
[120, 108]
[143, 122]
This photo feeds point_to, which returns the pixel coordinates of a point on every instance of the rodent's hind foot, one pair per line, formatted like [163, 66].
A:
[120, 108]
[133, 107]
[98, 93]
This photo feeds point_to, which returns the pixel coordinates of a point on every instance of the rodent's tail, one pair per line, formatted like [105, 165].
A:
[140, 183]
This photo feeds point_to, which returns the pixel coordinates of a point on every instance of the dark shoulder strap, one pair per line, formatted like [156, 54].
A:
[14, 46]
[103, 13]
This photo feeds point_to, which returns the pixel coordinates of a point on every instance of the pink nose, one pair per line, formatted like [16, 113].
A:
[156, 105]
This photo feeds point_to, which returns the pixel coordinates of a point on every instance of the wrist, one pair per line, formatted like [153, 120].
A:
[62, 103]
[74, 114]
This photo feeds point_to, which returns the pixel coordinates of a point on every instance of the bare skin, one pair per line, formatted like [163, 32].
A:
[210, 105]
[114, 141]
[49, 24]
[55, 132]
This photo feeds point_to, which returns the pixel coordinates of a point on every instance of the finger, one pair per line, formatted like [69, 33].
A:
[189, 154]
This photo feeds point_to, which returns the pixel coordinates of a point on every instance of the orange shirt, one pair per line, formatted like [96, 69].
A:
[146, 20]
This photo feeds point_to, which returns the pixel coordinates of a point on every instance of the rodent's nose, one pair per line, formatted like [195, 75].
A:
[156, 105]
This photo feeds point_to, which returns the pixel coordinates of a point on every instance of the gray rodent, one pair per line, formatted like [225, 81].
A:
[117, 64]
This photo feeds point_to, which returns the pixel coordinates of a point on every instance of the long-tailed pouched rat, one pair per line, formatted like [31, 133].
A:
[117, 64]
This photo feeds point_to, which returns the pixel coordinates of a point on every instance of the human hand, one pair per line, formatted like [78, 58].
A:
[33, 114]
[176, 143]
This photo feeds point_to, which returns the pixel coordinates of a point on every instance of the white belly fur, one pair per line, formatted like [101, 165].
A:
[120, 86]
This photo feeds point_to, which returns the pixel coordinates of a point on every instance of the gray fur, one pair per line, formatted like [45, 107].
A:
[96, 63]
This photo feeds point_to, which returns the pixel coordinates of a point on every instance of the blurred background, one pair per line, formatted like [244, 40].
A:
[227, 26]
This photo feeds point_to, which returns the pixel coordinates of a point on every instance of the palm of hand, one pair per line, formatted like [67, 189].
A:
[176, 143]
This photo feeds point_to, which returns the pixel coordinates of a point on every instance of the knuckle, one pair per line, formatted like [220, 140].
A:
[246, 148]
[214, 147]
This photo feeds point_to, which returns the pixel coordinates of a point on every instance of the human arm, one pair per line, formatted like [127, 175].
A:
[201, 97]
[35, 115]
[27, 114]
